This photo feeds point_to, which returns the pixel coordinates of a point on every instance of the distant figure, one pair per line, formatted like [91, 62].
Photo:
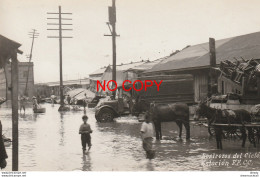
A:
[85, 102]
[39, 99]
[3, 154]
[35, 103]
[22, 103]
[131, 104]
[85, 131]
[68, 99]
[52, 99]
[147, 133]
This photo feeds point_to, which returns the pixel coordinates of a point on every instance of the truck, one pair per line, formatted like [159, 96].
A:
[174, 88]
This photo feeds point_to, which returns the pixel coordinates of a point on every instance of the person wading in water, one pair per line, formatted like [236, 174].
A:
[147, 133]
[85, 131]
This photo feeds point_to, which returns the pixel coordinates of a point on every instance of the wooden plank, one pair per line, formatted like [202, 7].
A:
[237, 125]
[233, 84]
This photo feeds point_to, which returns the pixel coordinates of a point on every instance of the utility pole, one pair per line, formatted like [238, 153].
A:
[112, 22]
[15, 132]
[212, 72]
[32, 35]
[60, 37]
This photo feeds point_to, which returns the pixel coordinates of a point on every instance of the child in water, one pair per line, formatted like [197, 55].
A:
[85, 131]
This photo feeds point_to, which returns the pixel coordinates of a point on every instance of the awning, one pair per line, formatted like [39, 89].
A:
[79, 94]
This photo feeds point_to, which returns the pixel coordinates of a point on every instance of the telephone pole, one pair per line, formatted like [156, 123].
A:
[60, 37]
[112, 22]
[32, 35]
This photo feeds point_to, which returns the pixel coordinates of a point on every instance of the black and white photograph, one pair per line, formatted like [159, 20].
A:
[130, 86]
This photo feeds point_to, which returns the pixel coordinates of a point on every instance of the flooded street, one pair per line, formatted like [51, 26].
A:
[50, 142]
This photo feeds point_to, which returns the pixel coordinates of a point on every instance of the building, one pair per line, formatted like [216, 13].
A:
[25, 80]
[195, 60]
[122, 74]
[53, 88]
[136, 71]
[97, 75]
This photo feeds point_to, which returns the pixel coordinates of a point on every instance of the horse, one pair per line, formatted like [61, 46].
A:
[239, 116]
[177, 112]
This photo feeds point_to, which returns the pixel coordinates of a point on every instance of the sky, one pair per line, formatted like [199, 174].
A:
[148, 29]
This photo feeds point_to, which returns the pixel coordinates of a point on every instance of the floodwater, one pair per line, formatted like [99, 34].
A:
[50, 142]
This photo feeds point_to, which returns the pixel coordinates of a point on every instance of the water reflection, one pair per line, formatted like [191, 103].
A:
[86, 158]
[62, 131]
[50, 141]
[150, 165]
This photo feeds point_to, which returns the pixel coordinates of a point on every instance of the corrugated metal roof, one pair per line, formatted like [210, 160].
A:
[96, 78]
[79, 93]
[99, 71]
[69, 82]
[197, 56]
[147, 65]
[120, 77]
[127, 66]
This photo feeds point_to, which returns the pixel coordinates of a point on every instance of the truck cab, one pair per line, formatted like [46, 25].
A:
[108, 110]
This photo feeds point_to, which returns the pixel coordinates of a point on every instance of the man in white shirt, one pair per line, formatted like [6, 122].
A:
[147, 133]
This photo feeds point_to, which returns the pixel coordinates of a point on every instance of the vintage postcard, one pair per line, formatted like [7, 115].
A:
[129, 85]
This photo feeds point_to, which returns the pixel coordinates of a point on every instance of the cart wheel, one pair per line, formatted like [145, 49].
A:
[233, 133]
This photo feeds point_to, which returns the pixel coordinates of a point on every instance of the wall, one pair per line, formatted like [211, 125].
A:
[23, 73]
[23, 70]
[200, 86]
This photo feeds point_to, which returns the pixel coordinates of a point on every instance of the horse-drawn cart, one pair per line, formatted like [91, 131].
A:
[231, 130]
[231, 123]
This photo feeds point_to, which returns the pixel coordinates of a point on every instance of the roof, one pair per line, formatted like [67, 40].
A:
[69, 82]
[6, 47]
[146, 66]
[79, 93]
[197, 56]
[120, 72]
[96, 78]
[120, 77]
[99, 71]
[124, 67]
[121, 67]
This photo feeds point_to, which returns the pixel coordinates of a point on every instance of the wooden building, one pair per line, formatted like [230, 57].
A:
[197, 61]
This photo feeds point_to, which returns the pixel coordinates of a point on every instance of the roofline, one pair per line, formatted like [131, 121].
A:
[181, 69]
[13, 43]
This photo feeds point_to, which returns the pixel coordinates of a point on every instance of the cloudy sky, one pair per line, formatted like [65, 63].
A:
[148, 29]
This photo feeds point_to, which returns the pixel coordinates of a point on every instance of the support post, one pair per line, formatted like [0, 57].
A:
[6, 83]
[213, 79]
[34, 35]
[112, 22]
[114, 45]
[14, 78]
[60, 45]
